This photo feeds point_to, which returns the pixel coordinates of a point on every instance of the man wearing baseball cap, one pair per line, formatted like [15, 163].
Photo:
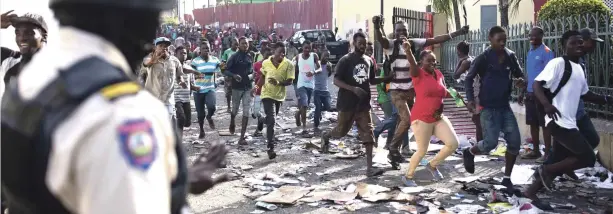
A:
[30, 36]
[162, 70]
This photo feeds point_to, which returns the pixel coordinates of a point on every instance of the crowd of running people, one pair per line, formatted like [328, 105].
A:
[90, 95]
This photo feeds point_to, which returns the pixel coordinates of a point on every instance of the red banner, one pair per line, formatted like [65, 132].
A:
[285, 17]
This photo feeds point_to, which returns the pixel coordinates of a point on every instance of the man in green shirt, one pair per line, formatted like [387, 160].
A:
[228, 80]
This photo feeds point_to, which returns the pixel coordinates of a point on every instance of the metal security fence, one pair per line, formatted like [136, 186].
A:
[599, 64]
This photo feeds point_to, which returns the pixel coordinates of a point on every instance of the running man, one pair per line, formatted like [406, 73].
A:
[207, 67]
[228, 80]
[354, 74]
[277, 73]
[306, 64]
[240, 68]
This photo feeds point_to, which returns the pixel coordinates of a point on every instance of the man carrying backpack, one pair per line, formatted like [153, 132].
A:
[560, 87]
[495, 67]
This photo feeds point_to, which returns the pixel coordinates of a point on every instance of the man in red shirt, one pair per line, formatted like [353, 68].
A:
[266, 52]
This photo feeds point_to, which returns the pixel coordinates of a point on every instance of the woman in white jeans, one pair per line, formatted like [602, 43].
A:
[426, 115]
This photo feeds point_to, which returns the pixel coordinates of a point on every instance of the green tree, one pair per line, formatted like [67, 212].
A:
[170, 20]
[448, 7]
[555, 9]
[451, 7]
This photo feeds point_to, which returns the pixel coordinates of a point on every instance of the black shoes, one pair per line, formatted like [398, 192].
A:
[395, 159]
[469, 161]
[201, 136]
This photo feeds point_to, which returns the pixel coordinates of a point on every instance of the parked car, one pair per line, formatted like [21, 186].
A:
[337, 49]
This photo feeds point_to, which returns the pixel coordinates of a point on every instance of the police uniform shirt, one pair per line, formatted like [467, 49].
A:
[107, 156]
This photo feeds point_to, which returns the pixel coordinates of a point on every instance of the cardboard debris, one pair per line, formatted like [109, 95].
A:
[365, 190]
[224, 132]
[467, 179]
[466, 208]
[323, 195]
[390, 196]
[285, 195]
[255, 194]
[443, 190]
[410, 208]
[346, 156]
[522, 174]
[245, 167]
[413, 189]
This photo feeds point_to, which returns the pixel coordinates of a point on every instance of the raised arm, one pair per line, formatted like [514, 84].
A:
[445, 37]
[379, 33]
[413, 67]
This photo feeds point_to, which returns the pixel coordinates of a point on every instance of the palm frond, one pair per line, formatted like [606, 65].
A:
[514, 6]
[443, 6]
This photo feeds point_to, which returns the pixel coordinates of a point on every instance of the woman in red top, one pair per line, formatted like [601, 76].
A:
[426, 116]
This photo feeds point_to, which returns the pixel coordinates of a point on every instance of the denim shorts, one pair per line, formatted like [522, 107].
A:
[494, 121]
[304, 96]
[242, 97]
[257, 106]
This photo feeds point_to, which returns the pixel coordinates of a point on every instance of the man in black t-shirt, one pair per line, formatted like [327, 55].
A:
[354, 74]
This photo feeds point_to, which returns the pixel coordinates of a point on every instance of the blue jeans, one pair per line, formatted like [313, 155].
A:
[322, 103]
[304, 96]
[204, 99]
[389, 124]
[494, 121]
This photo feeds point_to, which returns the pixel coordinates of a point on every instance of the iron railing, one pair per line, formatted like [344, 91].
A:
[599, 64]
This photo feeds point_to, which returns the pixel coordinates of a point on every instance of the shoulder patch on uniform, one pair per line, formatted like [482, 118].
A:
[138, 143]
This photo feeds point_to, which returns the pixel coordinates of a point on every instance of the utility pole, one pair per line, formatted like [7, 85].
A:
[178, 8]
[183, 12]
[381, 8]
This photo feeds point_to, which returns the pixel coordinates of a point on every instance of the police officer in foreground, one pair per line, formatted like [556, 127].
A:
[80, 136]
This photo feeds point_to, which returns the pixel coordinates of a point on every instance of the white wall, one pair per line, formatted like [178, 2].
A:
[525, 13]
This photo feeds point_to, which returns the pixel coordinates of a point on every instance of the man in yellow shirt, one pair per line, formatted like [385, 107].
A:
[277, 72]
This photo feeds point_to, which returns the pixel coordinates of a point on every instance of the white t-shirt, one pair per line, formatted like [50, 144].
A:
[403, 62]
[567, 100]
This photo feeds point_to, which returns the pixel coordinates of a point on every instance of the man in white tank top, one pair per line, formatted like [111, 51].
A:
[306, 64]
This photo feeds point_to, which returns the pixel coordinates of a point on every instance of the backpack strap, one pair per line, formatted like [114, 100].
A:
[568, 70]
[59, 99]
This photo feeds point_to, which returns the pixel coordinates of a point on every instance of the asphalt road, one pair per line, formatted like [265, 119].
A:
[228, 197]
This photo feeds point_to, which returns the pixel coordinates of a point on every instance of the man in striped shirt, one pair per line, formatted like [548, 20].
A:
[206, 66]
[182, 95]
[401, 88]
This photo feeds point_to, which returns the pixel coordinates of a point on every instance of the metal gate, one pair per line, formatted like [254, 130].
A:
[419, 24]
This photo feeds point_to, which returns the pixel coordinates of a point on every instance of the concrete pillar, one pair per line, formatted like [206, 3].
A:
[440, 25]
